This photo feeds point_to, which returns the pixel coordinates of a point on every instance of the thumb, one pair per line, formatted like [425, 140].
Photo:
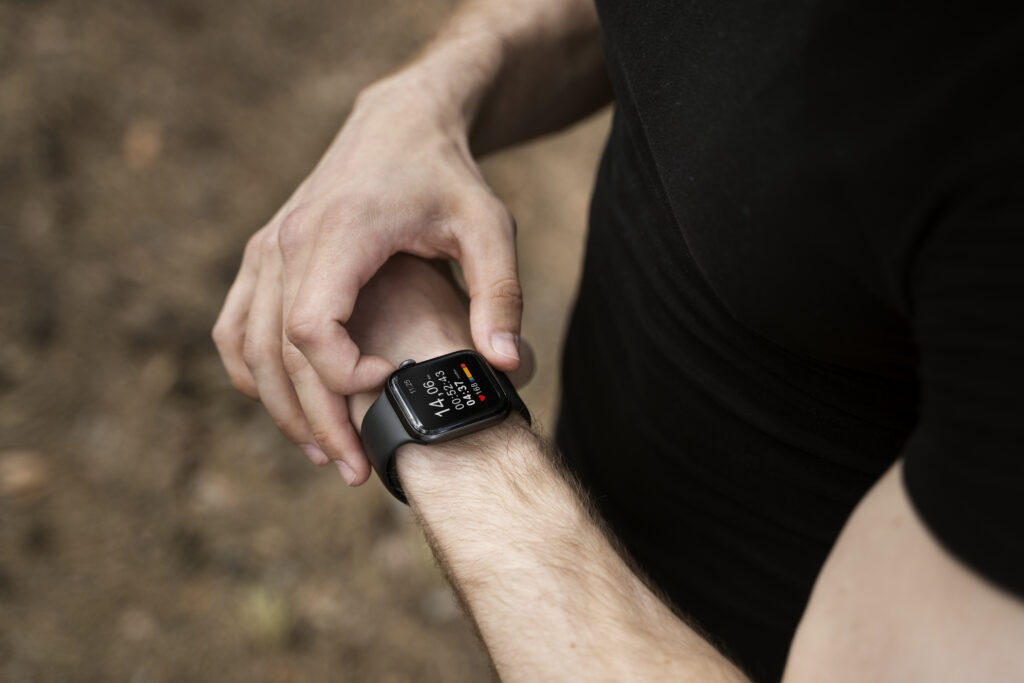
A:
[495, 295]
[527, 366]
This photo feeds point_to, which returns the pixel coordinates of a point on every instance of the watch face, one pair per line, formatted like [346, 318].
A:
[448, 393]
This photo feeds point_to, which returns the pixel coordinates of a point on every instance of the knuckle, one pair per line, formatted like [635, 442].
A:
[255, 243]
[254, 352]
[301, 328]
[293, 230]
[221, 335]
[507, 289]
[268, 246]
[325, 438]
[338, 383]
[293, 359]
[502, 215]
[339, 379]
[491, 210]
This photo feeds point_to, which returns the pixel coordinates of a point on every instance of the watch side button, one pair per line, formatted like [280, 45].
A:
[406, 363]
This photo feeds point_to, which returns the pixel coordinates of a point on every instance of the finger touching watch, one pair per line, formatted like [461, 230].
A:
[432, 401]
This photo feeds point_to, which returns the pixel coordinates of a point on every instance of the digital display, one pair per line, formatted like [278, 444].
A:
[447, 392]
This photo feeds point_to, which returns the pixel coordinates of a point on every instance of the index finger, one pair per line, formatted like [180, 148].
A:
[229, 329]
[322, 307]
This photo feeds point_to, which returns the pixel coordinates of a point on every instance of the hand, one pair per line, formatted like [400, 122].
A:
[413, 308]
[399, 177]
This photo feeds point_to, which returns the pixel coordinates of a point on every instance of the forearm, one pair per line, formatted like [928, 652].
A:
[508, 71]
[550, 595]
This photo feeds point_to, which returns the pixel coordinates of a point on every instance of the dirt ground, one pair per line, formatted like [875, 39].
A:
[153, 525]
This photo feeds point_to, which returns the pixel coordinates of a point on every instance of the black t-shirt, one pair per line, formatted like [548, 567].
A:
[805, 260]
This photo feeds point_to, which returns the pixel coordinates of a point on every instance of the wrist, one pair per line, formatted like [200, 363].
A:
[446, 82]
[495, 495]
[441, 474]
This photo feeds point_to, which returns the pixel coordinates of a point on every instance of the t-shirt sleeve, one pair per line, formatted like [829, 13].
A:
[964, 461]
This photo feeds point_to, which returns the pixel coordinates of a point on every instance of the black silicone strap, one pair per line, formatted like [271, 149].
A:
[514, 400]
[384, 432]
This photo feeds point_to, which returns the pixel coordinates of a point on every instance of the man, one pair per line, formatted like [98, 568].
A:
[793, 362]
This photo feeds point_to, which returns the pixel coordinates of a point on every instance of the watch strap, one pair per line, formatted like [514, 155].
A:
[513, 396]
[383, 433]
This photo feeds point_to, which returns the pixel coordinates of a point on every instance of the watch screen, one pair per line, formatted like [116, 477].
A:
[448, 392]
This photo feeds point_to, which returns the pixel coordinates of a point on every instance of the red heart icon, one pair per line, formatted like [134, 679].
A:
[481, 397]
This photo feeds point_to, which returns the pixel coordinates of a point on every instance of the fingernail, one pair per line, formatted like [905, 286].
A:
[506, 343]
[347, 473]
[314, 453]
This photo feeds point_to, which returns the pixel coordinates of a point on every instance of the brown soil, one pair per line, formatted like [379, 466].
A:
[155, 527]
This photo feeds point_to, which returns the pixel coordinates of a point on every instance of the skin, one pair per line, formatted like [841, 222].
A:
[553, 598]
[394, 182]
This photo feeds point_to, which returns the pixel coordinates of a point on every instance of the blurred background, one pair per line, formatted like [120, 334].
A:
[153, 524]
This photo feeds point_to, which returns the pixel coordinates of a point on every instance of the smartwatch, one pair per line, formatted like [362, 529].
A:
[436, 400]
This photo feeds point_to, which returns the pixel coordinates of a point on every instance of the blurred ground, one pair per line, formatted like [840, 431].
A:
[154, 525]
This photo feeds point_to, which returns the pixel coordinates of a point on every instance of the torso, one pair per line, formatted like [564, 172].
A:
[741, 366]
